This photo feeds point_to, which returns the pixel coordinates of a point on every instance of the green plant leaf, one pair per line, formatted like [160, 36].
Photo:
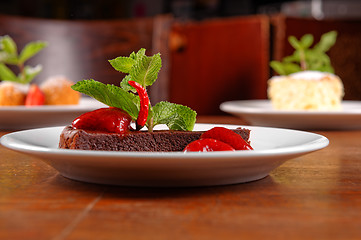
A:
[6, 74]
[9, 55]
[140, 54]
[294, 42]
[277, 67]
[309, 59]
[110, 95]
[8, 58]
[122, 64]
[306, 41]
[8, 45]
[145, 70]
[125, 86]
[31, 72]
[327, 68]
[295, 57]
[31, 49]
[175, 116]
[326, 42]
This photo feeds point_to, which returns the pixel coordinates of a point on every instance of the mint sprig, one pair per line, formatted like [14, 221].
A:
[144, 70]
[9, 55]
[175, 116]
[110, 95]
[307, 58]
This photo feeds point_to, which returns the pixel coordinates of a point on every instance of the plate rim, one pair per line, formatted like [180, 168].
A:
[319, 143]
[226, 107]
[84, 103]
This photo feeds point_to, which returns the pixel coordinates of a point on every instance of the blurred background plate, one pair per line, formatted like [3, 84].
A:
[22, 117]
[261, 113]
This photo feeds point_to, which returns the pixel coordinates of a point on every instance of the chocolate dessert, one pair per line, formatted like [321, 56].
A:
[156, 141]
[110, 128]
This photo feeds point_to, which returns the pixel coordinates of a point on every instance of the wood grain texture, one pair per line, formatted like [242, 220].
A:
[80, 49]
[219, 60]
[316, 196]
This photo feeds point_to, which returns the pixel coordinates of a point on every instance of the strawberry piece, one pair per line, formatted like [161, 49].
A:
[113, 120]
[35, 96]
[227, 136]
[207, 145]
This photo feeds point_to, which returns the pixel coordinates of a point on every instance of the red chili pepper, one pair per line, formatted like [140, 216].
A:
[144, 104]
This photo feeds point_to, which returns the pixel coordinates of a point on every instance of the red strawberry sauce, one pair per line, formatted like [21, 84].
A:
[113, 120]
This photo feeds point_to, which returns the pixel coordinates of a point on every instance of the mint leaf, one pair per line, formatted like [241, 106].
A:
[278, 67]
[125, 64]
[294, 42]
[175, 116]
[141, 68]
[110, 95]
[326, 42]
[124, 84]
[31, 72]
[291, 68]
[8, 51]
[9, 55]
[139, 54]
[295, 57]
[122, 64]
[285, 68]
[30, 50]
[306, 41]
[6, 74]
[306, 58]
[8, 45]
[8, 58]
[145, 70]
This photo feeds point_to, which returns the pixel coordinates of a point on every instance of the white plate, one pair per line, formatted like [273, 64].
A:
[261, 113]
[272, 147]
[22, 117]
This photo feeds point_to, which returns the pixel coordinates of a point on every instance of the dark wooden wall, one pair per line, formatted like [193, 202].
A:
[80, 49]
[219, 60]
[204, 62]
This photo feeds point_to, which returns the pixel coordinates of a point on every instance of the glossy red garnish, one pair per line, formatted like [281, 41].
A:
[113, 120]
[227, 136]
[207, 145]
[144, 104]
[35, 96]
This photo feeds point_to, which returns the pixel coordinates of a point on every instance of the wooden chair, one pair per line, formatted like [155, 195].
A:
[344, 55]
[218, 60]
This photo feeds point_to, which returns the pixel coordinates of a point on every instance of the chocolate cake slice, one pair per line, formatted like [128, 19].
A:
[157, 141]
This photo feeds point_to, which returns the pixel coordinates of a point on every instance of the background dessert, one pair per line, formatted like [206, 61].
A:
[307, 80]
[58, 91]
[12, 94]
[16, 87]
[306, 90]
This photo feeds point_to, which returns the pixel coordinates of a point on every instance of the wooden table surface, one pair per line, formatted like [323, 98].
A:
[316, 196]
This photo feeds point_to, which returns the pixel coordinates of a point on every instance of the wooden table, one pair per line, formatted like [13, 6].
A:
[317, 196]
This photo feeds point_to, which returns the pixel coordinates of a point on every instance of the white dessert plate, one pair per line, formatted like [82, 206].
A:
[261, 113]
[272, 147]
[22, 117]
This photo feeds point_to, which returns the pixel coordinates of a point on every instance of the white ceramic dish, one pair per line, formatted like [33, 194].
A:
[21, 117]
[261, 113]
[272, 147]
